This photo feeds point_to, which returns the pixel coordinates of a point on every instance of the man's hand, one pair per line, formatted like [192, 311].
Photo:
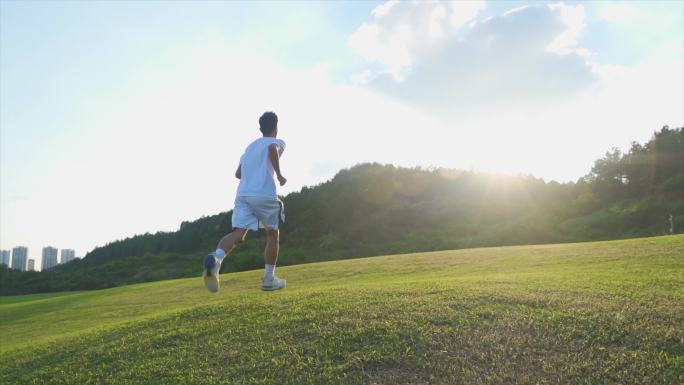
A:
[282, 180]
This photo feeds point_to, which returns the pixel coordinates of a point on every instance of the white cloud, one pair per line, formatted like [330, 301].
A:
[528, 55]
[361, 78]
[617, 12]
[573, 18]
[400, 31]
[383, 9]
[390, 50]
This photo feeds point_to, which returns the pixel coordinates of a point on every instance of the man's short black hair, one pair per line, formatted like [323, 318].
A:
[268, 122]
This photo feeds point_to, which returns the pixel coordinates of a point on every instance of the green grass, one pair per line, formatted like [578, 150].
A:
[586, 313]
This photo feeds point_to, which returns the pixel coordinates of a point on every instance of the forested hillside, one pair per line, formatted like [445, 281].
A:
[374, 209]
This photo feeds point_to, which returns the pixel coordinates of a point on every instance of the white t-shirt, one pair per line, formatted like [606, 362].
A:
[257, 179]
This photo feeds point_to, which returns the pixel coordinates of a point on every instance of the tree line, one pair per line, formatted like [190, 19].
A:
[375, 209]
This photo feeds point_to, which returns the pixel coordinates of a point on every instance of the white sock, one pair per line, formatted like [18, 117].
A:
[270, 271]
[220, 254]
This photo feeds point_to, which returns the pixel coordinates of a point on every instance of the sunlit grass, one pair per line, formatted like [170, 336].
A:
[605, 312]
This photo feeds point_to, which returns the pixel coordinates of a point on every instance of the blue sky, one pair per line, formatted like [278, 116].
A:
[118, 118]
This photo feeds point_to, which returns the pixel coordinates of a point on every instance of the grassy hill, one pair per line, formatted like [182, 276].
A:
[586, 313]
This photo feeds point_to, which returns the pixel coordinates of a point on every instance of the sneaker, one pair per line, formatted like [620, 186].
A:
[273, 284]
[210, 275]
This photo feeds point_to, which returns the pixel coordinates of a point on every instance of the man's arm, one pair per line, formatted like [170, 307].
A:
[274, 156]
[238, 172]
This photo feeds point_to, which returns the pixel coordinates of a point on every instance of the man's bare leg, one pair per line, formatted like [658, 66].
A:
[272, 247]
[271, 282]
[228, 243]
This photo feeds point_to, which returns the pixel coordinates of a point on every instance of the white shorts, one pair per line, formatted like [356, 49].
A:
[254, 212]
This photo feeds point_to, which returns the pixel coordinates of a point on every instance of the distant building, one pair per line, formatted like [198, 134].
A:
[19, 258]
[67, 255]
[49, 257]
[5, 257]
[31, 265]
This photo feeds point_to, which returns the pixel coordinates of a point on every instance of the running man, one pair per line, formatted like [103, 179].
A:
[256, 203]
